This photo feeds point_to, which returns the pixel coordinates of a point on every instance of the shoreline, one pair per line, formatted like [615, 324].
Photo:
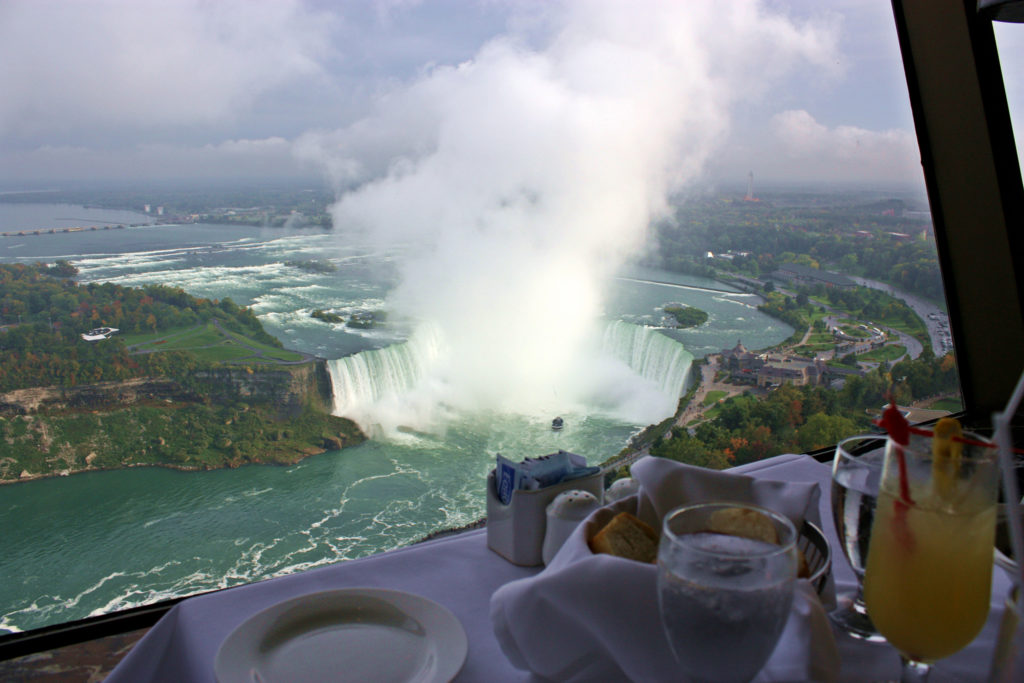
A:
[167, 466]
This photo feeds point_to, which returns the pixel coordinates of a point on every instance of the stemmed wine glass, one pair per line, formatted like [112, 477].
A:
[724, 600]
[929, 570]
[856, 474]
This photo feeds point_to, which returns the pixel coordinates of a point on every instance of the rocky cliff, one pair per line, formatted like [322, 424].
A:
[289, 389]
[223, 417]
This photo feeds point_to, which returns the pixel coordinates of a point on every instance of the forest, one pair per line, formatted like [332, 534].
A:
[881, 240]
[43, 313]
[798, 419]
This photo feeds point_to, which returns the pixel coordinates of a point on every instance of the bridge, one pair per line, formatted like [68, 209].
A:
[54, 231]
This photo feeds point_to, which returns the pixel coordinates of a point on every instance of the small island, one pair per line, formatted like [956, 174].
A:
[326, 316]
[313, 266]
[685, 316]
[365, 320]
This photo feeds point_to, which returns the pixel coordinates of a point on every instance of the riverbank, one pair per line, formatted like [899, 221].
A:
[213, 418]
[190, 437]
[284, 462]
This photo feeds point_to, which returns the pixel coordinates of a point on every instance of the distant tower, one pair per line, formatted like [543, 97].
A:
[750, 189]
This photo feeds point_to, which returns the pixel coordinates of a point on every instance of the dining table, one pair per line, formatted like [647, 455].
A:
[461, 573]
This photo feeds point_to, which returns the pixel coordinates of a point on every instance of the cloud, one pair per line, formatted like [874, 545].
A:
[68, 66]
[811, 150]
[240, 159]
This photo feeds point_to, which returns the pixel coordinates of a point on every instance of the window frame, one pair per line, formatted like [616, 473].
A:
[973, 180]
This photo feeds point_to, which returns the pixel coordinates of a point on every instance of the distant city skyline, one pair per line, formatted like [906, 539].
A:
[285, 89]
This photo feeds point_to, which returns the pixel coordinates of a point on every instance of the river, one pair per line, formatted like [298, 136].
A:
[100, 541]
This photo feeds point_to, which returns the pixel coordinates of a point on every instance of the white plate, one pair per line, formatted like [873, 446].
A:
[359, 634]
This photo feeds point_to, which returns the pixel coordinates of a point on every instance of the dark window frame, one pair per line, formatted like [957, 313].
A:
[974, 188]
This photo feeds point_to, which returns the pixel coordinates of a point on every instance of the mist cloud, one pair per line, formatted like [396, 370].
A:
[526, 175]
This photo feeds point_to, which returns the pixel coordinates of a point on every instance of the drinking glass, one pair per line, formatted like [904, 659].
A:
[929, 571]
[856, 474]
[724, 600]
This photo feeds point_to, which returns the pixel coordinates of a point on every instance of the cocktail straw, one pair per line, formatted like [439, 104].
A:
[1001, 421]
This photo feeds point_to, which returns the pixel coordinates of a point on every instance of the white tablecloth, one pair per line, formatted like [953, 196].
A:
[461, 573]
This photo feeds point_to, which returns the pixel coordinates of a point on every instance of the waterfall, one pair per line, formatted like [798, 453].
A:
[364, 378]
[650, 354]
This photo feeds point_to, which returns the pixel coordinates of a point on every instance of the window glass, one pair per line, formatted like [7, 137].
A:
[1010, 43]
[306, 271]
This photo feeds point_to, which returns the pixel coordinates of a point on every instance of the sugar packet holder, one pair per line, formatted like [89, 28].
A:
[537, 473]
[515, 530]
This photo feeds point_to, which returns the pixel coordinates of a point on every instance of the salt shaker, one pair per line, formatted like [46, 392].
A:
[564, 513]
[621, 488]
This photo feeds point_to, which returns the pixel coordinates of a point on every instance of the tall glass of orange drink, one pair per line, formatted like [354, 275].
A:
[929, 570]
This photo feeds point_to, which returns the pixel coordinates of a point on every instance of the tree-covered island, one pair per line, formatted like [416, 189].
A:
[185, 382]
[326, 316]
[686, 316]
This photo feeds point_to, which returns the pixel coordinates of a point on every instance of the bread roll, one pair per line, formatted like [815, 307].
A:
[744, 522]
[628, 537]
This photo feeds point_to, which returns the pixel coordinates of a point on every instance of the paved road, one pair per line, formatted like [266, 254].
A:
[924, 309]
[695, 409]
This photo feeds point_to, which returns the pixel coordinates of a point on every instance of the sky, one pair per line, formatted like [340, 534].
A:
[349, 92]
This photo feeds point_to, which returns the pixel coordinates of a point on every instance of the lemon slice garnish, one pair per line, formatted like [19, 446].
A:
[946, 456]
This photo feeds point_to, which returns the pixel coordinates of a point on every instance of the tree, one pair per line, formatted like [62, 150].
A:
[686, 449]
[62, 268]
[822, 430]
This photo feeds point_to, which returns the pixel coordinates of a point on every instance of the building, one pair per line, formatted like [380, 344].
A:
[791, 371]
[740, 362]
[805, 275]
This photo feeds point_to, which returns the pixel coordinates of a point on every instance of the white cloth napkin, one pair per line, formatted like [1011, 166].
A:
[593, 617]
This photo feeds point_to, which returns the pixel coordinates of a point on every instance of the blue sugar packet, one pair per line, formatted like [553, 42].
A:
[507, 478]
[536, 473]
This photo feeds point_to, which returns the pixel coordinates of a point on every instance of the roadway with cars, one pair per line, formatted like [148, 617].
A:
[935, 319]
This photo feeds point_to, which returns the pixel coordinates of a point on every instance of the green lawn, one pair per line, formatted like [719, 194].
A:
[953, 405]
[714, 396]
[145, 337]
[917, 330]
[225, 351]
[283, 354]
[815, 348]
[210, 344]
[712, 413]
[887, 352]
[176, 339]
[818, 314]
[203, 336]
[269, 351]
